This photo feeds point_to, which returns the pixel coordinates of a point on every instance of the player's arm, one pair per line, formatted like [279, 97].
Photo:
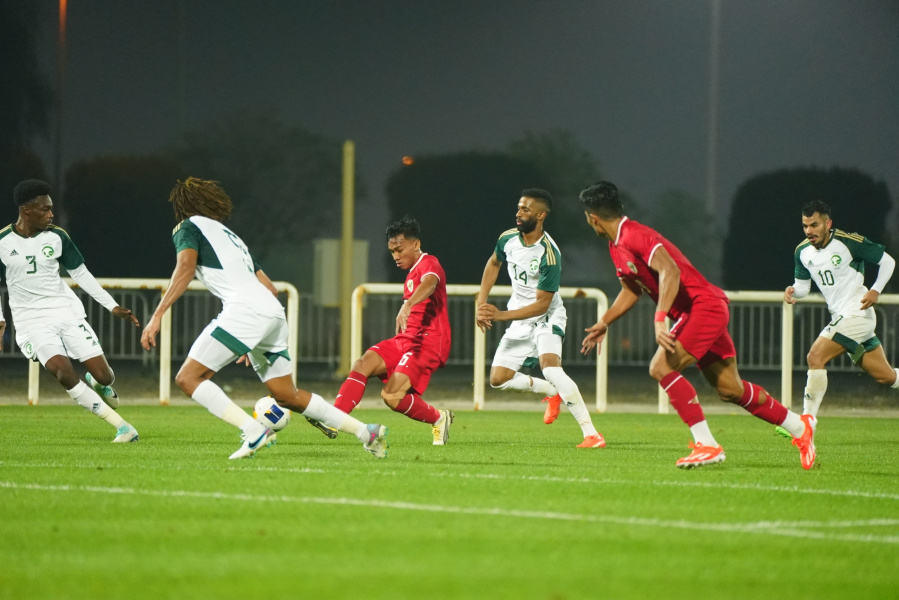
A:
[488, 279]
[264, 280]
[884, 271]
[669, 283]
[89, 284]
[799, 289]
[185, 267]
[626, 300]
[425, 289]
[534, 309]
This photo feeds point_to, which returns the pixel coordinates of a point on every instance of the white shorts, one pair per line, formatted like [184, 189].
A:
[75, 339]
[855, 333]
[523, 341]
[238, 331]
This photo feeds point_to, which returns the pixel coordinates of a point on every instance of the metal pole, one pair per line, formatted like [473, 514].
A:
[346, 257]
[60, 91]
[712, 165]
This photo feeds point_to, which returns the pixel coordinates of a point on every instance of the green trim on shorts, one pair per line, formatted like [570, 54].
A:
[230, 342]
[559, 332]
[531, 362]
[271, 357]
[855, 350]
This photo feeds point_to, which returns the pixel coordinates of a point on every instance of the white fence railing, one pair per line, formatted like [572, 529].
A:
[164, 344]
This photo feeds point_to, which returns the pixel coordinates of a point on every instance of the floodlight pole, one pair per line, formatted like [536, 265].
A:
[346, 257]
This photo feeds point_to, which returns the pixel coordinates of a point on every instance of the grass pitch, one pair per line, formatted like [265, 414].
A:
[509, 509]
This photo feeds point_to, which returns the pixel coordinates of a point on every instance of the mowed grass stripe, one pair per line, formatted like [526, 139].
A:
[801, 529]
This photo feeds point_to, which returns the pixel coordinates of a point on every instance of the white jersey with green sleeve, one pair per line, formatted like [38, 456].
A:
[30, 265]
[225, 265]
[838, 269]
[531, 268]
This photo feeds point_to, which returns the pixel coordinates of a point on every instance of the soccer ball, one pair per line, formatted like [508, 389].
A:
[270, 414]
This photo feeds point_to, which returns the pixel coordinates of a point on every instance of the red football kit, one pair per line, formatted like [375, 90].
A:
[425, 344]
[699, 310]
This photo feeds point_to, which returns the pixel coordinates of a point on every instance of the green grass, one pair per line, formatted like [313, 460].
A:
[510, 509]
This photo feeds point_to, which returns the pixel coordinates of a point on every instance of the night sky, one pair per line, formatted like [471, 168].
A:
[802, 82]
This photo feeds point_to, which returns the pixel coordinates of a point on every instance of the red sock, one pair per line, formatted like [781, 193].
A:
[414, 407]
[762, 404]
[351, 392]
[683, 398]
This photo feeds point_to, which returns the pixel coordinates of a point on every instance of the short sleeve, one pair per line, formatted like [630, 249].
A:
[186, 235]
[550, 269]
[70, 257]
[799, 270]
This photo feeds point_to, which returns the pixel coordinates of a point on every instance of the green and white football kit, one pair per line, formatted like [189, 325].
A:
[48, 316]
[531, 268]
[838, 269]
[252, 320]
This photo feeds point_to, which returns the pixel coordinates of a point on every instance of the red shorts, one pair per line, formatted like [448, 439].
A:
[703, 332]
[407, 356]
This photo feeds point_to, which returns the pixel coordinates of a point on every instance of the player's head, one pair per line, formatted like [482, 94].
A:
[601, 203]
[195, 196]
[32, 196]
[817, 222]
[404, 242]
[533, 207]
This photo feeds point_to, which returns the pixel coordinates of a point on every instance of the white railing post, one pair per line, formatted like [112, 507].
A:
[34, 374]
[480, 357]
[165, 357]
[786, 356]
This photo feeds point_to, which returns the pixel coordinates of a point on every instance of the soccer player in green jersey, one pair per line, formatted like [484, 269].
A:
[537, 314]
[49, 318]
[835, 260]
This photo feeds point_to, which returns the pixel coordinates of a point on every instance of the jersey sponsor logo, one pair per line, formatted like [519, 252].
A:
[836, 259]
[632, 267]
[47, 251]
[410, 285]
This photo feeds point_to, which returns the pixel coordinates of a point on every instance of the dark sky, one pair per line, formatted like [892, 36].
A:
[802, 82]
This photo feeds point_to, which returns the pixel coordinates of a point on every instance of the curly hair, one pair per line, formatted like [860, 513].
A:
[406, 227]
[195, 196]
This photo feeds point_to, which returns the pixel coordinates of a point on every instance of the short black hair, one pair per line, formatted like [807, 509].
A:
[602, 199]
[28, 190]
[406, 227]
[539, 194]
[816, 206]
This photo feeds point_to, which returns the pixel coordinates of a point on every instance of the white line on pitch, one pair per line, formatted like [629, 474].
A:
[782, 528]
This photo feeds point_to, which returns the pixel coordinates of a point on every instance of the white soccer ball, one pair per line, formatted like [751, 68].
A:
[271, 414]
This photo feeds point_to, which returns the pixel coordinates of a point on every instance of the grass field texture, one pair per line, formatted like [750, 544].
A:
[509, 509]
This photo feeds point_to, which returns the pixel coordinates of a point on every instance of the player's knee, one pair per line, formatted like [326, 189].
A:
[392, 399]
[658, 370]
[498, 380]
[106, 377]
[886, 378]
[814, 360]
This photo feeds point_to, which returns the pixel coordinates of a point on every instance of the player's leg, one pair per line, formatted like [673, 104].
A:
[823, 351]
[875, 364]
[568, 392]
[400, 393]
[350, 394]
[100, 376]
[517, 349]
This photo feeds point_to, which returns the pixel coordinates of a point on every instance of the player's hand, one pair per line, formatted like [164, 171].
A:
[664, 337]
[488, 313]
[243, 360]
[483, 324]
[788, 295]
[402, 317]
[148, 335]
[126, 315]
[870, 299]
[595, 335]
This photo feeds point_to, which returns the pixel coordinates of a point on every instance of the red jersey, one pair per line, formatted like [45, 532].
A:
[429, 320]
[632, 252]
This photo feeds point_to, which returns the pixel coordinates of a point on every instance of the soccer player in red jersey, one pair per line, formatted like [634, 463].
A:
[647, 262]
[406, 361]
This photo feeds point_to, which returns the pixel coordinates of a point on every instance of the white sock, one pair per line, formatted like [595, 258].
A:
[216, 401]
[524, 383]
[702, 434]
[794, 424]
[895, 385]
[815, 388]
[333, 417]
[572, 398]
[85, 396]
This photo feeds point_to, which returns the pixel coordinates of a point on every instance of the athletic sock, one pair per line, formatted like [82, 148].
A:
[524, 383]
[210, 396]
[762, 404]
[815, 388]
[794, 424]
[414, 407]
[351, 392]
[682, 396]
[85, 396]
[333, 417]
[571, 395]
[895, 385]
[702, 434]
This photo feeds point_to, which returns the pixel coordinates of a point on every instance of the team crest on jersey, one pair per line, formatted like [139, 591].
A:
[534, 266]
[632, 267]
[836, 259]
[29, 350]
[47, 251]
[409, 286]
